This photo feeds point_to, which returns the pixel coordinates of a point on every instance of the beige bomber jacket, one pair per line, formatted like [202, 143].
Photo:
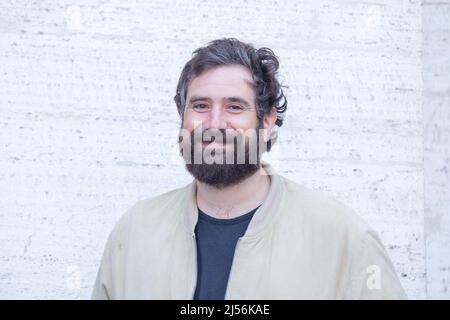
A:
[300, 244]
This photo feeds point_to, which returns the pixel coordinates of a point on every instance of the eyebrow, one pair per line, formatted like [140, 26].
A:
[231, 99]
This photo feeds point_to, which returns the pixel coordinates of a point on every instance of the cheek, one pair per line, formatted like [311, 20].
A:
[244, 122]
[191, 120]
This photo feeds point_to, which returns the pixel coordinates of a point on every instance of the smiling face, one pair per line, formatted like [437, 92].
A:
[221, 98]
[221, 101]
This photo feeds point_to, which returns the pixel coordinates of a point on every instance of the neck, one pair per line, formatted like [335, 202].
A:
[236, 200]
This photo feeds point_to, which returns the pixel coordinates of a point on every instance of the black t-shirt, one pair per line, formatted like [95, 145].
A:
[216, 242]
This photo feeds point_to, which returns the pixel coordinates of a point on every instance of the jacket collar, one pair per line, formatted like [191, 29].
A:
[261, 218]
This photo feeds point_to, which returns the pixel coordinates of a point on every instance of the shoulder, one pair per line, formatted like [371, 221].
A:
[150, 211]
[332, 230]
[322, 213]
[160, 204]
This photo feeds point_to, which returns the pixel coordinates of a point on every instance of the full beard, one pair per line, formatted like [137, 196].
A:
[223, 174]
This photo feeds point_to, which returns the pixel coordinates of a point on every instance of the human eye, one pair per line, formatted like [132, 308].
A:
[235, 108]
[200, 107]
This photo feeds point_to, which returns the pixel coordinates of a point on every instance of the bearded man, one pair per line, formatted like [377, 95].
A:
[239, 230]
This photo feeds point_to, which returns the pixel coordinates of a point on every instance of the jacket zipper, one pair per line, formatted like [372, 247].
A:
[194, 270]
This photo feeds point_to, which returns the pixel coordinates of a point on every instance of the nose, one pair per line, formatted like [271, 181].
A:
[216, 119]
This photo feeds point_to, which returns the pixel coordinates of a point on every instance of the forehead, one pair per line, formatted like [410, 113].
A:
[223, 80]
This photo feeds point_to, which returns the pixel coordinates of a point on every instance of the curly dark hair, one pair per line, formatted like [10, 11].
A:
[262, 63]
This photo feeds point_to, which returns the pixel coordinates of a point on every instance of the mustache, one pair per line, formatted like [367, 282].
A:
[222, 136]
[236, 146]
[217, 135]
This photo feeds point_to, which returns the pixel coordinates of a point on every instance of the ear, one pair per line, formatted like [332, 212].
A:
[269, 122]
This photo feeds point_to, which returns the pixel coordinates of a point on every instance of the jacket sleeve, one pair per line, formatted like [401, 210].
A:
[103, 282]
[372, 274]
[110, 276]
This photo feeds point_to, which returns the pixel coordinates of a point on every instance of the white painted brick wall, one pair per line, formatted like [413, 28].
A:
[88, 126]
[436, 110]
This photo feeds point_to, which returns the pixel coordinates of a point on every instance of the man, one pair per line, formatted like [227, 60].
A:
[239, 230]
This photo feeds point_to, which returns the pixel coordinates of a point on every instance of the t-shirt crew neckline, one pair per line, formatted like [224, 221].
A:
[207, 218]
